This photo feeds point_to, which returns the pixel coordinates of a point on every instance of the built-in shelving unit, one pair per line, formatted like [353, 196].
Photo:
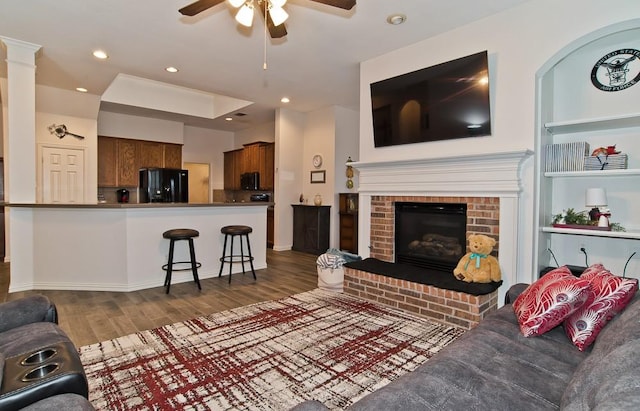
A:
[572, 110]
[593, 124]
[633, 235]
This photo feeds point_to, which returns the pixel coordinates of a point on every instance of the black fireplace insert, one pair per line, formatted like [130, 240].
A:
[430, 235]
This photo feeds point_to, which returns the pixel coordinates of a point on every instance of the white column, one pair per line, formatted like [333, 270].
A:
[20, 141]
[20, 153]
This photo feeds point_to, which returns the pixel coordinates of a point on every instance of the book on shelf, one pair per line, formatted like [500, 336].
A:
[566, 156]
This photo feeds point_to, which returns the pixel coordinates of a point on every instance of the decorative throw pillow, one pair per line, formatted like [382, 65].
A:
[610, 295]
[548, 301]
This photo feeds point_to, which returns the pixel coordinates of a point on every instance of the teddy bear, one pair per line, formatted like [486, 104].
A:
[478, 266]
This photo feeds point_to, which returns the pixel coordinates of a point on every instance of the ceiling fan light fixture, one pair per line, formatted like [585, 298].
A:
[236, 3]
[278, 15]
[245, 15]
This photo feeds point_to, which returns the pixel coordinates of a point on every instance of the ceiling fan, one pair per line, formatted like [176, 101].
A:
[271, 11]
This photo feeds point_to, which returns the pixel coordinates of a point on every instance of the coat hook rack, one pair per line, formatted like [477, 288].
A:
[61, 131]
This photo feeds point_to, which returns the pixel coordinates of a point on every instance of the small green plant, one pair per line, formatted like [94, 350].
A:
[570, 216]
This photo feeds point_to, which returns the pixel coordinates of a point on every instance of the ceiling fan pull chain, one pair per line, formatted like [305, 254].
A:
[264, 63]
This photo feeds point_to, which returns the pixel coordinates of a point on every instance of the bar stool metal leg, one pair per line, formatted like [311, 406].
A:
[224, 253]
[167, 278]
[250, 257]
[194, 265]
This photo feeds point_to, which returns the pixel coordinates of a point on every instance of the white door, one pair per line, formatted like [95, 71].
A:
[62, 175]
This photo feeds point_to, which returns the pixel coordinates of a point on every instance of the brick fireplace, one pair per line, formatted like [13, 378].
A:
[490, 186]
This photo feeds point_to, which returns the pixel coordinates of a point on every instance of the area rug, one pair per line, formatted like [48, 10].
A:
[319, 345]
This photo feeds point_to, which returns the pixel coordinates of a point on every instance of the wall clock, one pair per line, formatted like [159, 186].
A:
[317, 161]
[617, 70]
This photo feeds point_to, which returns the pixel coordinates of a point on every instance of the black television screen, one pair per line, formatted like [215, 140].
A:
[442, 102]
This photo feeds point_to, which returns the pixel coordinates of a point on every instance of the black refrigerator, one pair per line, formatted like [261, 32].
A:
[163, 185]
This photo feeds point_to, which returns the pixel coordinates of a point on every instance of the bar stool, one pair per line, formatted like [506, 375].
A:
[233, 231]
[174, 235]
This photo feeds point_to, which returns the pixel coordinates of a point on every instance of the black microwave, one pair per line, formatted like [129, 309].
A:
[250, 181]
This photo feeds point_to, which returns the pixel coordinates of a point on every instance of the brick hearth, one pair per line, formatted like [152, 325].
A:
[445, 306]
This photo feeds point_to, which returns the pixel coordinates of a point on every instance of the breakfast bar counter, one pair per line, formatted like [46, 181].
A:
[119, 247]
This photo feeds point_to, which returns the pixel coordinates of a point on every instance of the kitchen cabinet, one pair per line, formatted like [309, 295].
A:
[232, 169]
[120, 159]
[127, 163]
[107, 162]
[267, 166]
[259, 156]
[251, 157]
[311, 228]
[270, 227]
[172, 155]
[150, 154]
[348, 225]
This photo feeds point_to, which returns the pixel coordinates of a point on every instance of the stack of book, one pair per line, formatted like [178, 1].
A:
[606, 162]
[566, 156]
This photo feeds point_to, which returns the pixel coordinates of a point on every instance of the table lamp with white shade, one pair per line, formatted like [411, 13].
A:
[597, 197]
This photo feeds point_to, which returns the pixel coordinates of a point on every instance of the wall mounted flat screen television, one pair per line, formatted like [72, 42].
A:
[443, 102]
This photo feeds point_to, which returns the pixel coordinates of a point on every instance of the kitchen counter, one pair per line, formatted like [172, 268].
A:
[119, 246]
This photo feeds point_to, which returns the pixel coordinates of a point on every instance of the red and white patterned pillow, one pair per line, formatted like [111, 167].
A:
[548, 301]
[610, 295]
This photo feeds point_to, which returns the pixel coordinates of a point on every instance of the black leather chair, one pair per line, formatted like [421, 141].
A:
[38, 360]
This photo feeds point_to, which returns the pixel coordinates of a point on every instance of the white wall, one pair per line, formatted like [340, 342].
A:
[519, 42]
[140, 128]
[289, 135]
[264, 132]
[203, 145]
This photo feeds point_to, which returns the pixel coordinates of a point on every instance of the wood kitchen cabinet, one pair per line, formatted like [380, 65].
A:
[172, 155]
[311, 228]
[232, 164]
[120, 159]
[150, 154]
[267, 166]
[127, 163]
[107, 162]
[270, 227]
[259, 156]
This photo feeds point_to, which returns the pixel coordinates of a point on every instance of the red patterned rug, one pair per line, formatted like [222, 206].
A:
[273, 355]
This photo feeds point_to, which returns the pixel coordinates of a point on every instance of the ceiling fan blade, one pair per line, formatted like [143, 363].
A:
[198, 7]
[343, 4]
[276, 32]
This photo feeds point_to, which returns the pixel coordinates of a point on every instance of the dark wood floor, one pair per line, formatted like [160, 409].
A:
[93, 316]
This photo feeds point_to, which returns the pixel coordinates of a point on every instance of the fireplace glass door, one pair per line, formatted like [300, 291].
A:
[430, 235]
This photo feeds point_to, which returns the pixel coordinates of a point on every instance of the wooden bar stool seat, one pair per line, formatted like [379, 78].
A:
[174, 235]
[233, 231]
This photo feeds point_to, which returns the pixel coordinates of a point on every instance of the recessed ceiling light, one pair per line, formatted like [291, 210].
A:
[229, 118]
[396, 19]
[99, 54]
[172, 69]
[285, 100]
[81, 89]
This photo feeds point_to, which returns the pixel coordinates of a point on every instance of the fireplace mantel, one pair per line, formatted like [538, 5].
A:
[477, 175]
[495, 174]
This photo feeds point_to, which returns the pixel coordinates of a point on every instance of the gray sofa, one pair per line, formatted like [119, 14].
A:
[493, 367]
[40, 368]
